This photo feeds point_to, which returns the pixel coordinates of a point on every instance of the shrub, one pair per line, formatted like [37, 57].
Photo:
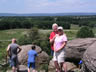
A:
[65, 25]
[44, 43]
[85, 32]
[40, 39]
[31, 37]
[24, 40]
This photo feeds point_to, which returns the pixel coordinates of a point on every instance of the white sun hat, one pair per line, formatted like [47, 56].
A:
[60, 28]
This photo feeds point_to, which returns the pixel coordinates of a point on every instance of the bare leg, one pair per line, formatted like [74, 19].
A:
[61, 65]
[33, 70]
[14, 69]
[65, 67]
[57, 65]
[17, 68]
[28, 69]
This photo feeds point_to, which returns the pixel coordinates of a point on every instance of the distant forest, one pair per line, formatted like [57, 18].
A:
[45, 22]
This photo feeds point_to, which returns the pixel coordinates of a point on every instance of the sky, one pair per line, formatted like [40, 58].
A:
[47, 6]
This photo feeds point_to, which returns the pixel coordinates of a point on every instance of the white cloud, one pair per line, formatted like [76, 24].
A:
[49, 6]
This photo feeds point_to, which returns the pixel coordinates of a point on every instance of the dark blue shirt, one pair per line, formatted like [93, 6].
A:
[32, 55]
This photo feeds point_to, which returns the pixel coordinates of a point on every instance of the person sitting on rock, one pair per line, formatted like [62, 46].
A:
[12, 50]
[31, 59]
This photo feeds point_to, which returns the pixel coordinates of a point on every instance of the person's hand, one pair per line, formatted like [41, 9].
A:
[54, 50]
[58, 49]
[54, 37]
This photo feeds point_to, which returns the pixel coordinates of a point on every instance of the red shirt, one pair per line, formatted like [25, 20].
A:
[52, 34]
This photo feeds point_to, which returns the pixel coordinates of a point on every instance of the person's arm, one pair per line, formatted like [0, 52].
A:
[8, 53]
[62, 46]
[52, 40]
[8, 48]
[19, 49]
[36, 54]
[54, 47]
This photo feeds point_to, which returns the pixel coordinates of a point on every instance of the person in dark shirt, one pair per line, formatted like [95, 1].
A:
[31, 59]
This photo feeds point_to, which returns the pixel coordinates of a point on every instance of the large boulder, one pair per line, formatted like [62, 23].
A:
[22, 68]
[42, 57]
[70, 66]
[89, 59]
[76, 48]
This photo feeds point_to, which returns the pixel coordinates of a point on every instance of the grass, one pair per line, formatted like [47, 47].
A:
[74, 27]
[3, 46]
[17, 33]
[5, 68]
[12, 33]
[94, 30]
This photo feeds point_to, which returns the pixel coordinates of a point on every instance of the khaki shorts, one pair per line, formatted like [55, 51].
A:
[59, 56]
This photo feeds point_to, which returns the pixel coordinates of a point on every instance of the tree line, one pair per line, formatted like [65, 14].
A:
[45, 22]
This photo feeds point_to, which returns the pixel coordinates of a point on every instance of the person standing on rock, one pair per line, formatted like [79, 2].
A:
[52, 37]
[31, 59]
[12, 50]
[59, 50]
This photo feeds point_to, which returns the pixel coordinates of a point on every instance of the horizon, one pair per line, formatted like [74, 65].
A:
[49, 13]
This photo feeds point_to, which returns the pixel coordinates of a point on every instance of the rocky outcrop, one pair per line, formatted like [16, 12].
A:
[89, 59]
[71, 66]
[42, 57]
[76, 48]
[74, 52]
[22, 69]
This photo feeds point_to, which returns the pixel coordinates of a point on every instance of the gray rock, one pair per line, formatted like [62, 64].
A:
[22, 68]
[42, 57]
[22, 56]
[70, 66]
[76, 48]
[89, 59]
[51, 67]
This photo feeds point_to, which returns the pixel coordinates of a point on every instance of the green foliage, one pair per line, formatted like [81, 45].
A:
[3, 46]
[44, 43]
[85, 32]
[23, 40]
[3, 53]
[4, 68]
[7, 35]
[45, 67]
[33, 36]
[87, 23]
[65, 25]
[46, 22]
